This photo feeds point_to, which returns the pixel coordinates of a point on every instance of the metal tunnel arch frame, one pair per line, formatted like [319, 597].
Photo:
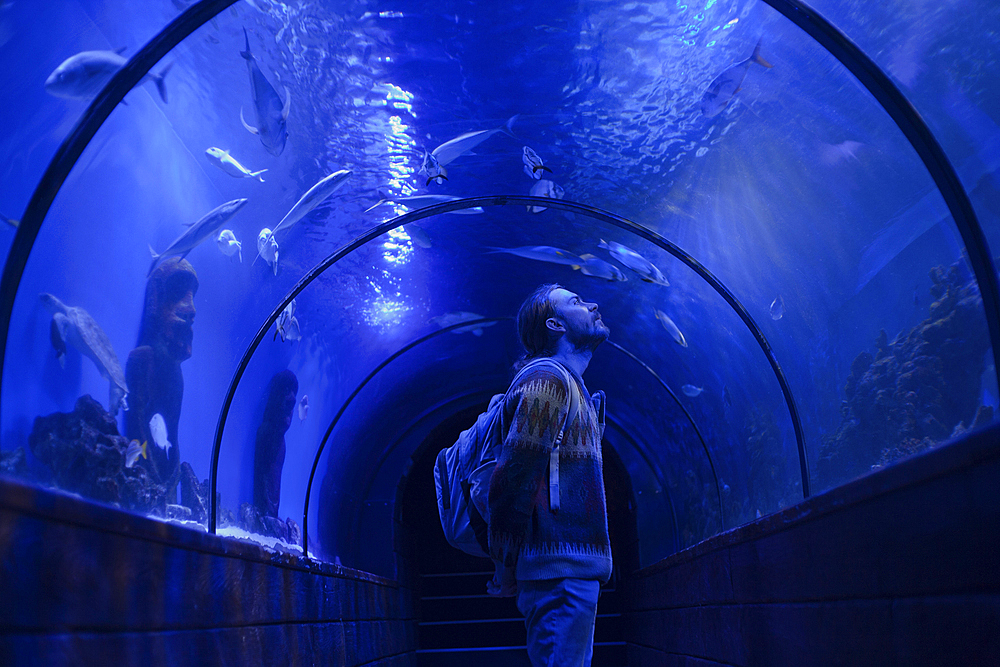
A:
[434, 334]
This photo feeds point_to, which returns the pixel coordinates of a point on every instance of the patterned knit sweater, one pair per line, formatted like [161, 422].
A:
[524, 532]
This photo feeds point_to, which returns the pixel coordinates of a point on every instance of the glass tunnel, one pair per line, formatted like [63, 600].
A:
[346, 202]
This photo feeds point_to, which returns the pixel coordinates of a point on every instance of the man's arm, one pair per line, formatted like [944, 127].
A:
[519, 483]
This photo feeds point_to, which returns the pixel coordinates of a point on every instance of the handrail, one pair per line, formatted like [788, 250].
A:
[504, 200]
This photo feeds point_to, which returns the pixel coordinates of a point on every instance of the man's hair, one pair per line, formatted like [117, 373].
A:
[531, 318]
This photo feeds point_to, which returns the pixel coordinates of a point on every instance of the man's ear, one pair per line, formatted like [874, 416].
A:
[553, 324]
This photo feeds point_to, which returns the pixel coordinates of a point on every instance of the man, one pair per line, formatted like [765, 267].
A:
[555, 561]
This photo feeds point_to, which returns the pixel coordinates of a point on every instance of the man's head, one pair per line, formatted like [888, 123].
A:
[551, 313]
[168, 309]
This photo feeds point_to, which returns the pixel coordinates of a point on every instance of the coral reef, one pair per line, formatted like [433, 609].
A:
[916, 390]
[253, 521]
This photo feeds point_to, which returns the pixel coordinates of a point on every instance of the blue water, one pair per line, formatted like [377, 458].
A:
[802, 187]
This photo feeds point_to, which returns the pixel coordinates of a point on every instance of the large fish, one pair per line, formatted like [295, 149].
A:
[198, 231]
[647, 270]
[727, 84]
[414, 202]
[598, 268]
[545, 188]
[267, 105]
[545, 253]
[227, 163]
[463, 143]
[669, 325]
[84, 75]
[313, 197]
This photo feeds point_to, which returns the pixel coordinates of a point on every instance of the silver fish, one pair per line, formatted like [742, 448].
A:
[533, 165]
[84, 75]
[313, 197]
[545, 188]
[463, 143]
[303, 408]
[726, 85]
[228, 244]
[158, 429]
[458, 317]
[646, 270]
[198, 231]
[287, 325]
[419, 236]
[777, 308]
[227, 163]
[544, 253]
[691, 390]
[414, 202]
[669, 325]
[267, 247]
[598, 268]
[433, 169]
[134, 451]
[271, 113]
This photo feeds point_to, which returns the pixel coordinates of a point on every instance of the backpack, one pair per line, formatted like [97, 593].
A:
[462, 472]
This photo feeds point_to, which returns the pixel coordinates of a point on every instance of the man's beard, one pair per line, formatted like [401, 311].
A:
[589, 340]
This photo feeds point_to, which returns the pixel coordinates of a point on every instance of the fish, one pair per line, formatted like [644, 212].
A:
[198, 231]
[545, 188]
[598, 268]
[10, 221]
[691, 390]
[415, 202]
[271, 114]
[419, 236]
[463, 143]
[158, 429]
[134, 451]
[433, 169]
[303, 407]
[533, 163]
[544, 253]
[83, 76]
[287, 326]
[725, 86]
[58, 342]
[267, 247]
[313, 197]
[646, 270]
[777, 308]
[227, 163]
[228, 244]
[457, 317]
[669, 325]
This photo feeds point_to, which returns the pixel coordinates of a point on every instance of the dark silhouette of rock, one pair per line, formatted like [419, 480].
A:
[86, 455]
[269, 445]
[252, 521]
[153, 370]
[13, 463]
[194, 494]
[917, 390]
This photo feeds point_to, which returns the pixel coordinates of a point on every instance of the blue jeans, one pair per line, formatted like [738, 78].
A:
[559, 615]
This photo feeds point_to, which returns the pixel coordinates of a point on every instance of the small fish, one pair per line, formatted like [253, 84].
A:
[463, 143]
[84, 75]
[227, 163]
[287, 326]
[545, 188]
[198, 231]
[270, 112]
[544, 253]
[10, 221]
[228, 244]
[267, 247]
[313, 197]
[303, 407]
[777, 308]
[433, 169]
[691, 390]
[458, 317]
[158, 429]
[416, 202]
[533, 163]
[725, 86]
[669, 325]
[418, 235]
[598, 268]
[55, 337]
[134, 451]
[646, 270]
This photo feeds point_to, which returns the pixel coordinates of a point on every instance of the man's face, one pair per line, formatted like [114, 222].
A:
[583, 324]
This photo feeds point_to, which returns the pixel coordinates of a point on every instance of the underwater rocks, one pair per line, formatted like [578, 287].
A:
[13, 463]
[87, 456]
[253, 521]
[916, 390]
[194, 494]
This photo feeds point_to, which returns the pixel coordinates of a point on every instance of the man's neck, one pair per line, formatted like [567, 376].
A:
[573, 358]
